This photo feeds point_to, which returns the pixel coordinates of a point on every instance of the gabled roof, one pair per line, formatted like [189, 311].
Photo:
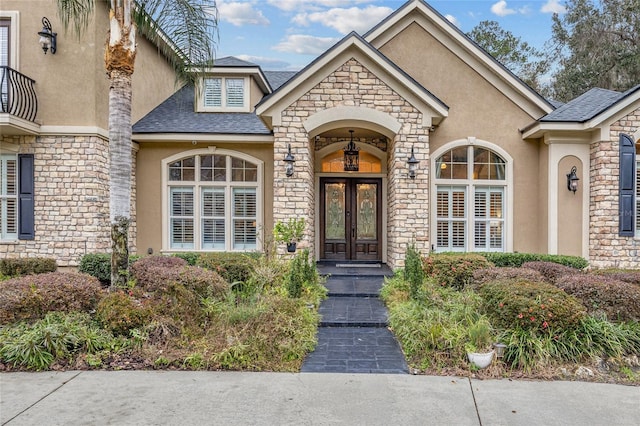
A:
[421, 13]
[593, 109]
[352, 46]
[232, 61]
[177, 115]
[278, 78]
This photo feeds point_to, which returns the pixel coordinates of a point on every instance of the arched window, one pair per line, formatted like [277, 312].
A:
[470, 199]
[213, 202]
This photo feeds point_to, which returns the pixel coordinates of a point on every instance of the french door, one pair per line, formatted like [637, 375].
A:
[350, 219]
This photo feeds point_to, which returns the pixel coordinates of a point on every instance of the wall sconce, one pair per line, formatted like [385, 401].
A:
[47, 37]
[413, 165]
[572, 180]
[289, 160]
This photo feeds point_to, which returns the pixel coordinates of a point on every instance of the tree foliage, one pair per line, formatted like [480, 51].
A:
[524, 60]
[596, 45]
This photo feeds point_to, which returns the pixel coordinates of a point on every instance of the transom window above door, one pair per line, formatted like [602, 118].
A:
[214, 202]
[334, 162]
[470, 200]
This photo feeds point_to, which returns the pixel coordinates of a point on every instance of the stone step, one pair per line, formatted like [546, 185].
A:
[354, 286]
[352, 311]
[356, 350]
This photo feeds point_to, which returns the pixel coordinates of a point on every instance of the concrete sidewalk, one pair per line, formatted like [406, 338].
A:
[232, 398]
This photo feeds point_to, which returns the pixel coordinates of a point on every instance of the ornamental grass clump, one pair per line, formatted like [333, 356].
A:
[33, 296]
[452, 269]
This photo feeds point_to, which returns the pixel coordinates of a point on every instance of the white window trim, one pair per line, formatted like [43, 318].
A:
[166, 184]
[14, 56]
[471, 183]
[10, 237]
[223, 108]
[637, 210]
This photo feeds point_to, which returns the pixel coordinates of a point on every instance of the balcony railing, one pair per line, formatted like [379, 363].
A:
[17, 94]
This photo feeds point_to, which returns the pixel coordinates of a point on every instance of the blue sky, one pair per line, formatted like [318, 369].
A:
[288, 34]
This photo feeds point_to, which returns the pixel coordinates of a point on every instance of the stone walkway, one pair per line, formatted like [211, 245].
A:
[353, 336]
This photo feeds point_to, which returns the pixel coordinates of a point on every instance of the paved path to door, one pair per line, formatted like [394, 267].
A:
[353, 336]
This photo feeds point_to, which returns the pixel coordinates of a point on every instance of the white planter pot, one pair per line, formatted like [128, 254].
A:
[482, 360]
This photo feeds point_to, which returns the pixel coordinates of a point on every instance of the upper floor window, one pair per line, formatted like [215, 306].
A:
[214, 203]
[225, 93]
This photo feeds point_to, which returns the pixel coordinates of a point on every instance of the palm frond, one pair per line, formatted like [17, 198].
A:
[76, 12]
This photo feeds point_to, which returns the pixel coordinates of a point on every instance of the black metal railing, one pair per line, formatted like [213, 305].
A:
[17, 94]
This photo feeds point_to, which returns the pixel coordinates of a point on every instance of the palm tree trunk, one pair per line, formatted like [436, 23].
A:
[119, 61]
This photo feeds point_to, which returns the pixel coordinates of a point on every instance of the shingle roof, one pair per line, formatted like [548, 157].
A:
[232, 61]
[177, 115]
[585, 106]
[278, 78]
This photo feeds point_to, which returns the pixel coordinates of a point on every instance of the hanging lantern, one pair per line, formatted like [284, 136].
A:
[351, 156]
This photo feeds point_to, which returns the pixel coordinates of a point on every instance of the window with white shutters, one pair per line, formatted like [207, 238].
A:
[222, 93]
[213, 203]
[213, 92]
[470, 200]
[8, 197]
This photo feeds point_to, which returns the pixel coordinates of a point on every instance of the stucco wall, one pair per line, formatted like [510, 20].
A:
[150, 186]
[606, 248]
[569, 209]
[479, 110]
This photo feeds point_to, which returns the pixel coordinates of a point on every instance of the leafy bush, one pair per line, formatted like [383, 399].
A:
[534, 306]
[191, 257]
[452, 269]
[484, 275]
[618, 300]
[119, 313]
[295, 279]
[413, 272]
[159, 273]
[517, 259]
[27, 266]
[32, 296]
[628, 276]
[58, 337]
[99, 266]
[233, 267]
[551, 271]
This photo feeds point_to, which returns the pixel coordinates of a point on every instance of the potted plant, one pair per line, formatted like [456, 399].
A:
[289, 233]
[479, 347]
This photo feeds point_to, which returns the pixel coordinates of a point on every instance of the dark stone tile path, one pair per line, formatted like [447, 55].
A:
[353, 336]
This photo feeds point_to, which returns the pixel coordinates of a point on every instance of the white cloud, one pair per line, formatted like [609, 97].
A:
[345, 20]
[240, 14]
[453, 20]
[552, 6]
[312, 5]
[500, 8]
[305, 44]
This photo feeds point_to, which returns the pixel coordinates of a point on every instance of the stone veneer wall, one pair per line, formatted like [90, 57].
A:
[71, 198]
[354, 85]
[606, 248]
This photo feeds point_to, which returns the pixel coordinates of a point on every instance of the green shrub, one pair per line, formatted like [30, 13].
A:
[32, 296]
[58, 337]
[99, 266]
[191, 257]
[603, 294]
[484, 275]
[453, 269]
[233, 267]
[551, 272]
[413, 272]
[27, 266]
[516, 260]
[534, 306]
[296, 277]
[119, 313]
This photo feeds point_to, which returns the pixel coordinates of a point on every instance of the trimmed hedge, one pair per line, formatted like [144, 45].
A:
[99, 266]
[628, 276]
[33, 296]
[518, 259]
[453, 269]
[233, 267]
[27, 266]
[484, 275]
[601, 294]
[552, 272]
[535, 306]
[120, 313]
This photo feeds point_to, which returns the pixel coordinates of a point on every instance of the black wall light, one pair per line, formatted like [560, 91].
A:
[413, 165]
[47, 37]
[289, 160]
[572, 180]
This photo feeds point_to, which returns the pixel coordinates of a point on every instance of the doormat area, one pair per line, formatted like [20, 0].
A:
[358, 265]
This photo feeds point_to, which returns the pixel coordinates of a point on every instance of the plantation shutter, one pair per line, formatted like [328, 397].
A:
[26, 222]
[235, 92]
[627, 186]
[213, 92]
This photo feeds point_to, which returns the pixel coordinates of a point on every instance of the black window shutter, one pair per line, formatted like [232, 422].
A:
[627, 186]
[26, 223]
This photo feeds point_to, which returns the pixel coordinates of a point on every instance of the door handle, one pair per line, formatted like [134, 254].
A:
[353, 232]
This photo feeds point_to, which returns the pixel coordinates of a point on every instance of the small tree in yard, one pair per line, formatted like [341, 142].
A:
[413, 272]
[186, 30]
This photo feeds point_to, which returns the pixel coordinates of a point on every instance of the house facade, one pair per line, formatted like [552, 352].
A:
[453, 153]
